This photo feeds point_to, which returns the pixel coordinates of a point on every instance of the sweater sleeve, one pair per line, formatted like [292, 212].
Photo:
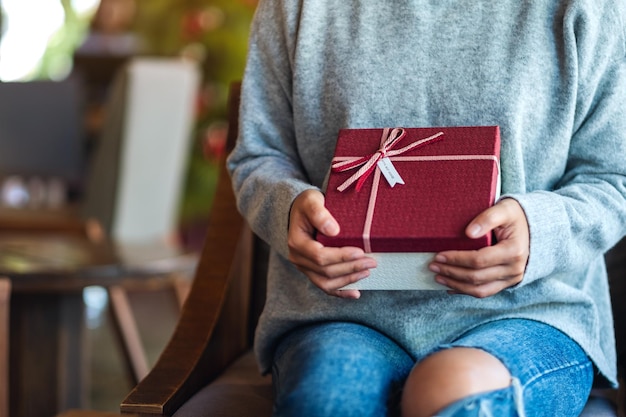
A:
[265, 166]
[585, 215]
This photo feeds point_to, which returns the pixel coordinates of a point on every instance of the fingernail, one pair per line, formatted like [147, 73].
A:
[474, 230]
[441, 259]
[355, 255]
[363, 274]
[330, 228]
[441, 281]
[434, 268]
[369, 264]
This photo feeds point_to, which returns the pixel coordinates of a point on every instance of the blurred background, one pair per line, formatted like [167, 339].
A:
[53, 39]
[90, 41]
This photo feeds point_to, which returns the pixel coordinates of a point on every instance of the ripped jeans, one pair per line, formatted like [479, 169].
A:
[346, 369]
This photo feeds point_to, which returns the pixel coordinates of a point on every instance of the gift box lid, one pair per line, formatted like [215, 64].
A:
[449, 175]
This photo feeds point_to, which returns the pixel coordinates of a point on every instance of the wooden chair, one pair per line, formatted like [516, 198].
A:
[220, 313]
[43, 307]
[5, 296]
[207, 369]
[132, 193]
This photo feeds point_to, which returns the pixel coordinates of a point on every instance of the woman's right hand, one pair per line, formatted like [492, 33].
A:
[328, 268]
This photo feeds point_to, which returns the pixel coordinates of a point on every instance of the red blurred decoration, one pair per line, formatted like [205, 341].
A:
[214, 141]
[192, 25]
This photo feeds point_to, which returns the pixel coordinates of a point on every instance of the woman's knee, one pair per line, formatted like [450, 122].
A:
[448, 376]
[337, 369]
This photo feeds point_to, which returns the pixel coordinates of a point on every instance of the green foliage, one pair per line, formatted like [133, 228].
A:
[57, 60]
[216, 33]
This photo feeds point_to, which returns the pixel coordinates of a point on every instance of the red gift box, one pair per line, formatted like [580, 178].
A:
[450, 175]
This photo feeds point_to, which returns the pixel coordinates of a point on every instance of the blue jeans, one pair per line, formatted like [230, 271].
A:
[346, 369]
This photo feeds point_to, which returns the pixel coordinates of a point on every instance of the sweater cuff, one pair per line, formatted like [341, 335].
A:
[544, 214]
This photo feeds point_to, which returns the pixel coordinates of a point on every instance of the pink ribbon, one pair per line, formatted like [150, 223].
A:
[388, 141]
[367, 164]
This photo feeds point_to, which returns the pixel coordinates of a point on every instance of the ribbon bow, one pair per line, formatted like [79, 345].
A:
[367, 164]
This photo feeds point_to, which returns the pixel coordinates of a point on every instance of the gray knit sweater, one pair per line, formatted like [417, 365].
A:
[551, 74]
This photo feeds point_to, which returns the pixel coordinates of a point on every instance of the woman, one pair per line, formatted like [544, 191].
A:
[526, 327]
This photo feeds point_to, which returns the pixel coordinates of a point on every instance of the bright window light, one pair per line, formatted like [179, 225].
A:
[84, 6]
[28, 26]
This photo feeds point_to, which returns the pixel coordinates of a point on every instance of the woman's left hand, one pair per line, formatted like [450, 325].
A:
[487, 271]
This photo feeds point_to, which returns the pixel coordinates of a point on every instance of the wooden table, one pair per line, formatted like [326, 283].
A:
[48, 273]
[46, 336]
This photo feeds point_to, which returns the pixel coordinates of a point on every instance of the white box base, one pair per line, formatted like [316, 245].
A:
[399, 271]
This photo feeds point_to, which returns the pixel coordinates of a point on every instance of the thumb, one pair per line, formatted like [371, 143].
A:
[322, 220]
[501, 215]
[485, 222]
[317, 215]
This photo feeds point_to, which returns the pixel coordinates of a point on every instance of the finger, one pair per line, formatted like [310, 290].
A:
[474, 259]
[473, 277]
[499, 215]
[478, 291]
[505, 252]
[338, 270]
[302, 247]
[502, 260]
[342, 266]
[333, 286]
[316, 215]
[308, 214]
[350, 294]
[308, 250]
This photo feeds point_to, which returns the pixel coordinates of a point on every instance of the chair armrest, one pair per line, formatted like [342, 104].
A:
[616, 267]
[5, 297]
[212, 330]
